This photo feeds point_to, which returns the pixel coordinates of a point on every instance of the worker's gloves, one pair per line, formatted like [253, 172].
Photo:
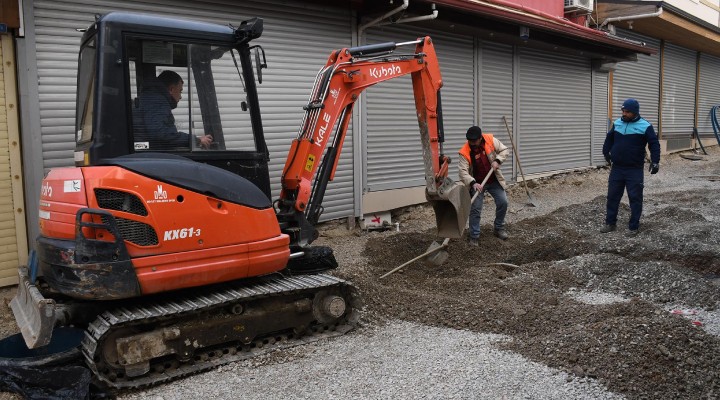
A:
[654, 167]
[607, 158]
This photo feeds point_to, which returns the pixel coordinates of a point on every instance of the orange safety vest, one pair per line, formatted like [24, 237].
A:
[489, 147]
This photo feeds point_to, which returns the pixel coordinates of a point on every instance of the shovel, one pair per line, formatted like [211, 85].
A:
[436, 255]
[530, 198]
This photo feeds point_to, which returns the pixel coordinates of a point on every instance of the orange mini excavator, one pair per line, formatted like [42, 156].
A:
[166, 247]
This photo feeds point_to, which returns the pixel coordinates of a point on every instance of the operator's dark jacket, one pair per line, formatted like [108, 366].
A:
[626, 141]
[153, 120]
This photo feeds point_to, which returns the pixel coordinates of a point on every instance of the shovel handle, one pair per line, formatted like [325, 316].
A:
[427, 253]
[477, 192]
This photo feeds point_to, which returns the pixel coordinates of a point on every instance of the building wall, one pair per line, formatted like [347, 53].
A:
[706, 10]
[13, 246]
[676, 89]
[555, 104]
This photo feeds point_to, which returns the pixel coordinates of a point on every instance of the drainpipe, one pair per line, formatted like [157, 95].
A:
[402, 7]
[632, 17]
[413, 19]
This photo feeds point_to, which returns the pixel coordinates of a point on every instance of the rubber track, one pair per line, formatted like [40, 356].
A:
[257, 288]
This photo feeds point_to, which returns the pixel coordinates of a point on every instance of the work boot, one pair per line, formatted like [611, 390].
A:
[632, 233]
[501, 234]
[608, 228]
[473, 242]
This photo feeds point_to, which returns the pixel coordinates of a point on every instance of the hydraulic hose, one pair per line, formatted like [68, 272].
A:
[714, 120]
[699, 141]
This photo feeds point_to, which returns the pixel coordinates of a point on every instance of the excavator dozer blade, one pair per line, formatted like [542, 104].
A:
[452, 209]
[34, 314]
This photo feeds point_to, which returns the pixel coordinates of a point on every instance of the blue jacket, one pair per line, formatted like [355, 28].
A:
[626, 141]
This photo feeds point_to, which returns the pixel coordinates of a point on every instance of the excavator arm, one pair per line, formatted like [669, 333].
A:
[327, 115]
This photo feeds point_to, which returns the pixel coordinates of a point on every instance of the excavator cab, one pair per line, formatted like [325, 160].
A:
[217, 95]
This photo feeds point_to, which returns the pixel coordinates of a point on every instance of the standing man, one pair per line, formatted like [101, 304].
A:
[624, 148]
[481, 154]
[153, 119]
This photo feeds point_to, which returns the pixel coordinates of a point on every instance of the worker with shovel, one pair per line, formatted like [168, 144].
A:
[479, 167]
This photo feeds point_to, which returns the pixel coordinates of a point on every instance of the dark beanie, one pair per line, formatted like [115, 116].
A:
[632, 106]
[473, 133]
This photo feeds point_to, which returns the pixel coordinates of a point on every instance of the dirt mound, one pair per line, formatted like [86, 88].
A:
[636, 347]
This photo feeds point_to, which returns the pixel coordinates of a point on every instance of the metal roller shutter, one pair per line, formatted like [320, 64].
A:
[295, 52]
[554, 110]
[496, 95]
[394, 152]
[709, 93]
[678, 97]
[600, 122]
[639, 80]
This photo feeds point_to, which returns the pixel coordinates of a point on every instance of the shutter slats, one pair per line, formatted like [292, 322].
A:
[709, 93]
[639, 80]
[551, 135]
[678, 100]
[394, 152]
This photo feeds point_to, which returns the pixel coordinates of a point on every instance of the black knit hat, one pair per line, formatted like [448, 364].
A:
[473, 133]
[632, 106]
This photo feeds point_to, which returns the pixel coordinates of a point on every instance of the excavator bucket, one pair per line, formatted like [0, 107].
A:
[452, 209]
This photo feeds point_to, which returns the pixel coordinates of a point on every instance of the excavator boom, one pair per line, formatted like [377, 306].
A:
[338, 85]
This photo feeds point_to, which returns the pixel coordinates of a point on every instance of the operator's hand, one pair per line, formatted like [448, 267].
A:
[607, 158]
[654, 167]
[495, 165]
[205, 141]
[478, 187]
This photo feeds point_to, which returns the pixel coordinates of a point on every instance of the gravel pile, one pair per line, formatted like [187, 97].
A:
[398, 361]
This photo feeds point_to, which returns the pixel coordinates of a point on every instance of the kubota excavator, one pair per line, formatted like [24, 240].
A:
[172, 257]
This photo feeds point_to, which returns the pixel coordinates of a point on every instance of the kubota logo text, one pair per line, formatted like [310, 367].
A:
[382, 71]
[183, 233]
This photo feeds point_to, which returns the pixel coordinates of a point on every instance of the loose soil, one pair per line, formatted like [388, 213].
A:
[523, 287]
[533, 287]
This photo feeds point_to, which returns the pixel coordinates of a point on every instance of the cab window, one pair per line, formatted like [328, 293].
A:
[186, 97]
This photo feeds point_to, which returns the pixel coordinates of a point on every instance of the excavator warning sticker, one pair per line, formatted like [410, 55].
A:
[161, 196]
[72, 186]
[310, 163]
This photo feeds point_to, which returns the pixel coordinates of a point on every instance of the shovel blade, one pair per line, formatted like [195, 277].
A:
[452, 209]
[437, 258]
